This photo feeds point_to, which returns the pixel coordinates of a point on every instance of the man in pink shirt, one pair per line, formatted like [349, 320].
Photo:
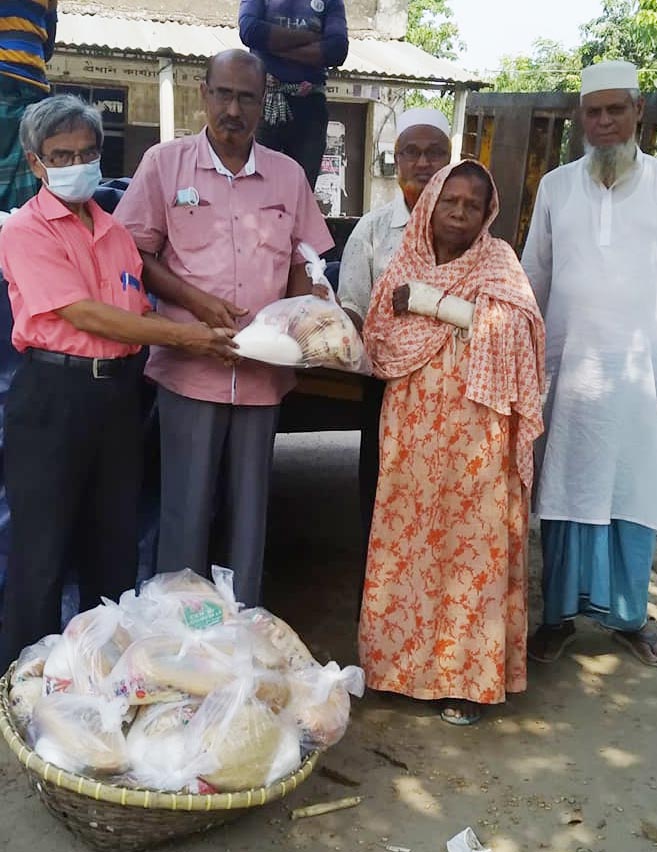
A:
[217, 218]
[72, 429]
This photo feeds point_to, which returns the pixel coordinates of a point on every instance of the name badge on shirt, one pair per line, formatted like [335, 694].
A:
[128, 280]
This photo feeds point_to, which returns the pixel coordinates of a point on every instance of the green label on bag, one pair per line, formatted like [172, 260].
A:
[198, 616]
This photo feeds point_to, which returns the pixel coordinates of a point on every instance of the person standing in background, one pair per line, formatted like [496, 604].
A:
[297, 40]
[27, 39]
[422, 148]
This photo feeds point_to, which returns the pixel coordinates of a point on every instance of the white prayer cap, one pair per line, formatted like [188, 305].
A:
[614, 74]
[422, 115]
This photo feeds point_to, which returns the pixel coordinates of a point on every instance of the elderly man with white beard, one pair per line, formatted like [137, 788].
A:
[591, 256]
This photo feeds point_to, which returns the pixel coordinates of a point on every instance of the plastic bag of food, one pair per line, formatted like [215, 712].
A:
[80, 733]
[90, 646]
[319, 701]
[275, 644]
[157, 747]
[32, 658]
[171, 667]
[183, 598]
[23, 697]
[305, 331]
[250, 745]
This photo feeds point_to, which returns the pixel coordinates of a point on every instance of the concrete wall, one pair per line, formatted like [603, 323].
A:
[384, 18]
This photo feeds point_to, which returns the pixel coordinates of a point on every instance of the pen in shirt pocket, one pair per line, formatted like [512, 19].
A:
[128, 280]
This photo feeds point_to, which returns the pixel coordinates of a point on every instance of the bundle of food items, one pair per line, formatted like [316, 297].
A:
[305, 331]
[179, 689]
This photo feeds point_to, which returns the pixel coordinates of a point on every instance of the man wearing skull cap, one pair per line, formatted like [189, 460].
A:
[591, 256]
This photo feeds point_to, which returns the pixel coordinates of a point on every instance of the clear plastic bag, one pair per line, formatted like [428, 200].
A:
[80, 733]
[32, 659]
[90, 646]
[158, 750]
[179, 599]
[319, 701]
[172, 667]
[275, 644]
[305, 331]
[23, 697]
[250, 746]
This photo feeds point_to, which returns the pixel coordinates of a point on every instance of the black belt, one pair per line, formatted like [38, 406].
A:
[99, 368]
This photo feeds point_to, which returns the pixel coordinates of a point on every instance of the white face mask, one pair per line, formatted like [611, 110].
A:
[76, 183]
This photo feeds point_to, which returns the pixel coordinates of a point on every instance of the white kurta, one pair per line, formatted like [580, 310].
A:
[591, 256]
[369, 250]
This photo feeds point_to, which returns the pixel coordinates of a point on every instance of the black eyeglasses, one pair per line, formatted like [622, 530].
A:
[225, 97]
[433, 154]
[59, 158]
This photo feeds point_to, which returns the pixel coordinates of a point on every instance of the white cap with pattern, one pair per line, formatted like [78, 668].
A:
[614, 74]
[422, 116]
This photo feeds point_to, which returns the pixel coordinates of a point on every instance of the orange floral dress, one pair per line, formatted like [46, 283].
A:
[445, 604]
[444, 611]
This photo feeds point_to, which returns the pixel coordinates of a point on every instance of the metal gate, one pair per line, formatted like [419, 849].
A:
[520, 137]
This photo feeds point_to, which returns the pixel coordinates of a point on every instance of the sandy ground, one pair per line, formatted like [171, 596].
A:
[570, 766]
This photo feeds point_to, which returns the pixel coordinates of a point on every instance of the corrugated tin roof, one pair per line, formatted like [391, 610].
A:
[391, 60]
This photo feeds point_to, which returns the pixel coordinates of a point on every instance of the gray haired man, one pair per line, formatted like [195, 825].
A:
[72, 429]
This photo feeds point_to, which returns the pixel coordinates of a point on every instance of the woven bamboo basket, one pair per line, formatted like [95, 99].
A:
[125, 819]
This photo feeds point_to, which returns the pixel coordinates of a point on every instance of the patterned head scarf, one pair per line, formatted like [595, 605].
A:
[506, 368]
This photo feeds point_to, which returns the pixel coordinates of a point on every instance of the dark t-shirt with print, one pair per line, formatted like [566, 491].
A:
[326, 17]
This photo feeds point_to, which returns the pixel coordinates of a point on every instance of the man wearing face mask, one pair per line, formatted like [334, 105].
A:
[421, 149]
[72, 429]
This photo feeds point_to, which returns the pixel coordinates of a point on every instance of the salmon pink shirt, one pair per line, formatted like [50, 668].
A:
[51, 260]
[237, 243]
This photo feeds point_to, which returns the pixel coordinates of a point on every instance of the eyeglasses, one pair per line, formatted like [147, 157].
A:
[60, 158]
[432, 154]
[225, 97]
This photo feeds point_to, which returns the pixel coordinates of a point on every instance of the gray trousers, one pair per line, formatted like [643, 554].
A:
[216, 461]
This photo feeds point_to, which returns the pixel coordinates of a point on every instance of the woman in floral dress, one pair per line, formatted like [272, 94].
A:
[444, 613]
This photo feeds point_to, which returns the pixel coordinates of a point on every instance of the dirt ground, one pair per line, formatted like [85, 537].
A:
[570, 766]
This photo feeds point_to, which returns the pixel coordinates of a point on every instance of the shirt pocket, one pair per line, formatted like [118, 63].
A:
[193, 230]
[275, 231]
[274, 252]
[131, 294]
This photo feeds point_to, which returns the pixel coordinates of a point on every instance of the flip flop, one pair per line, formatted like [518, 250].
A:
[552, 641]
[462, 720]
[635, 641]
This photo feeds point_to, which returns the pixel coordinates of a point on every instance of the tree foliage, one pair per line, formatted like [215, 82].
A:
[430, 27]
[615, 35]
[626, 29]
[549, 68]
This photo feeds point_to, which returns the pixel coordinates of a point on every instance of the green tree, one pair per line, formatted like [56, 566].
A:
[626, 29]
[430, 27]
[615, 35]
[549, 68]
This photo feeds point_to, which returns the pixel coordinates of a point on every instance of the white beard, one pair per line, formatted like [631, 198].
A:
[607, 164]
